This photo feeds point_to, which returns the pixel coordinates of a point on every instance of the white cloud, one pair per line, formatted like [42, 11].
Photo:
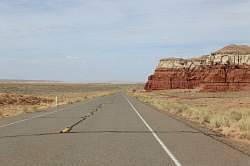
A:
[116, 28]
[72, 57]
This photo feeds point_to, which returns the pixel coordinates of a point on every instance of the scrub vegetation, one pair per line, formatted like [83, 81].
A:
[18, 98]
[224, 112]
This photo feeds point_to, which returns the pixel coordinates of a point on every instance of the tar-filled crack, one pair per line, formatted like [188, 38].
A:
[88, 115]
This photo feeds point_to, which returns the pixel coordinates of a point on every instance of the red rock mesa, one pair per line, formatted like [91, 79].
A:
[223, 70]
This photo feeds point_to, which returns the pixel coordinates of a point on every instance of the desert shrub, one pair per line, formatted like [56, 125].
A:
[226, 122]
[244, 124]
[216, 122]
[235, 115]
[179, 110]
[205, 116]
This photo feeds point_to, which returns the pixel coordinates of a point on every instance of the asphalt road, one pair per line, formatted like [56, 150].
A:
[121, 131]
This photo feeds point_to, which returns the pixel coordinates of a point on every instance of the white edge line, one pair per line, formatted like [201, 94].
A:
[177, 163]
[34, 117]
[26, 119]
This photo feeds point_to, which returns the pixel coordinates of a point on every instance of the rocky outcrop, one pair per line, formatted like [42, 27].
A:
[226, 69]
[226, 77]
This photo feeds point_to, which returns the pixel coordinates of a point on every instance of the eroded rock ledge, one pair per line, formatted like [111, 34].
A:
[225, 69]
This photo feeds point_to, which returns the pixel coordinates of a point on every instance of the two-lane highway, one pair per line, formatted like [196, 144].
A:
[114, 131]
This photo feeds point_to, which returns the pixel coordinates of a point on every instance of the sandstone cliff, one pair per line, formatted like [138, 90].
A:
[225, 69]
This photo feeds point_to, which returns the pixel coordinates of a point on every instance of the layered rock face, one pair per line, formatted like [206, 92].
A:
[226, 69]
[226, 77]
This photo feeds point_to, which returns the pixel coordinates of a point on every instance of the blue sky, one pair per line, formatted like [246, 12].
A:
[112, 40]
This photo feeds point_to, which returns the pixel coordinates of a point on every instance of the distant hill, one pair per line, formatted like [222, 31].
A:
[235, 49]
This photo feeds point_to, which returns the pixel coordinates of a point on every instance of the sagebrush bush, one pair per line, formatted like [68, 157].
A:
[235, 115]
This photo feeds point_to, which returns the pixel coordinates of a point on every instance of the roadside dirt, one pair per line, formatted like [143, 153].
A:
[17, 99]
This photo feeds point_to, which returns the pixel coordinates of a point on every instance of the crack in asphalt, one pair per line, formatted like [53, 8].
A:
[103, 131]
[88, 115]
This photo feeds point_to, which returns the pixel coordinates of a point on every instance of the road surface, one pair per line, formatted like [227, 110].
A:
[120, 131]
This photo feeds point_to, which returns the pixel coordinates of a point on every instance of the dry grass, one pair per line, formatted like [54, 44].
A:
[227, 112]
[66, 93]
